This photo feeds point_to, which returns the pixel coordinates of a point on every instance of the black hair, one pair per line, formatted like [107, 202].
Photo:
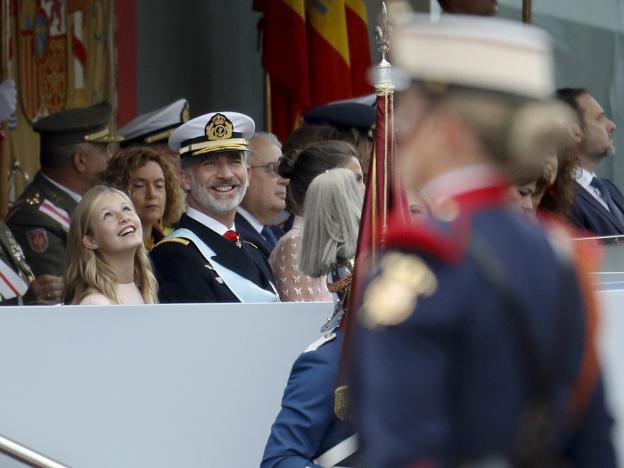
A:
[301, 167]
[570, 97]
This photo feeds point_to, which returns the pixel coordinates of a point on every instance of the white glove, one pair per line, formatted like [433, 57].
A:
[8, 99]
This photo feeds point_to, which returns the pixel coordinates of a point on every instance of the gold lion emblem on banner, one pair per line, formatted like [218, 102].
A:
[219, 128]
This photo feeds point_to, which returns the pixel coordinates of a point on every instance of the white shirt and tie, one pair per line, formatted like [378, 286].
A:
[599, 191]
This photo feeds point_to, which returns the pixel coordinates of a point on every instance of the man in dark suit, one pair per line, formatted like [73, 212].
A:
[598, 206]
[266, 196]
[205, 259]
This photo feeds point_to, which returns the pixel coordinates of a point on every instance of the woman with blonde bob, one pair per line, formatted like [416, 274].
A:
[108, 262]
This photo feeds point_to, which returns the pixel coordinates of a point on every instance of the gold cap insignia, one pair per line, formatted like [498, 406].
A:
[219, 128]
[391, 298]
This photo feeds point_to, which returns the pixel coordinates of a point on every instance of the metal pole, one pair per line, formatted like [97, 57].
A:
[26, 455]
[527, 11]
[6, 73]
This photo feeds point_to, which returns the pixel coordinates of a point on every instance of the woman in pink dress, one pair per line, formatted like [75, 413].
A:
[108, 263]
[301, 168]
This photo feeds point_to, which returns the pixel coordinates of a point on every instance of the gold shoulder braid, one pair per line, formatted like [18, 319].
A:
[391, 298]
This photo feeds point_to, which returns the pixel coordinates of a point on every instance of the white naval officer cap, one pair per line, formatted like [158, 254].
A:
[217, 131]
[478, 52]
[156, 126]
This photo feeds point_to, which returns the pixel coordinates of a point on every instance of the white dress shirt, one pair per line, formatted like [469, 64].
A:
[584, 178]
[74, 195]
[209, 222]
[257, 225]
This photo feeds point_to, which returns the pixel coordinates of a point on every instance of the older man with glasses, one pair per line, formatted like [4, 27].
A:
[266, 196]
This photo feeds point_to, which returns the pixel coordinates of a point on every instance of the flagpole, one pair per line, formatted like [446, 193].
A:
[527, 11]
[6, 73]
[374, 220]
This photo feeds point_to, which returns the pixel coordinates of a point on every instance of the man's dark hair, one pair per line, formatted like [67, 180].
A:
[570, 97]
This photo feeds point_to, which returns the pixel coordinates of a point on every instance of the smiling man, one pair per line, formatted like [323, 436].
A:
[205, 259]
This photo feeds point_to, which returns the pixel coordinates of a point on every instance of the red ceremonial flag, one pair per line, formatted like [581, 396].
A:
[359, 50]
[313, 52]
[285, 60]
[385, 198]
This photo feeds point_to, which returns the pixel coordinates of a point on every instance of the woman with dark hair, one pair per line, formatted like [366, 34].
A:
[150, 181]
[525, 187]
[559, 195]
[301, 168]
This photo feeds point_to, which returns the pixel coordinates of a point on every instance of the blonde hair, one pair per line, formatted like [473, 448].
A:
[331, 219]
[87, 271]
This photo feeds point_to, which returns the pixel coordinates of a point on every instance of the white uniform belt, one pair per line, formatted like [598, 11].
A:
[338, 452]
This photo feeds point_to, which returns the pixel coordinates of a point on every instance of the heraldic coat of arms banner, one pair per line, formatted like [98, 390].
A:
[42, 42]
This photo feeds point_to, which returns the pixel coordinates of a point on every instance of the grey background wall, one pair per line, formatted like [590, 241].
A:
[207, 51]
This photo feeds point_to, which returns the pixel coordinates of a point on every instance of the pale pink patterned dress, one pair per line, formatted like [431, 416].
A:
[292, 284]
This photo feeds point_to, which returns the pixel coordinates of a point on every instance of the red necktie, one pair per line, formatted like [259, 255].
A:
[232, 235]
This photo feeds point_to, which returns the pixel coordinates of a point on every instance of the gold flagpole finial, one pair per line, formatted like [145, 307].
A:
[383, 78]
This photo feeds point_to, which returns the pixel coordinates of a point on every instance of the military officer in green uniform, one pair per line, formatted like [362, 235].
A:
[18, 284]
[74, 151]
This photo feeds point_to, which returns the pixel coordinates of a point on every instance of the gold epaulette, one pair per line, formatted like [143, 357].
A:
[179, 240]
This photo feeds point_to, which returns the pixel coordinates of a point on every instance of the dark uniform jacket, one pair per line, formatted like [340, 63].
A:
[589, 215]
[40, 222]
[11, 254]
[440, 369]
[306, 426]
[249, 234]
[184, 275]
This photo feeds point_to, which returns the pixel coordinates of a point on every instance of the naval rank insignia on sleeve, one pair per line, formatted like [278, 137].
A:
[391, 298]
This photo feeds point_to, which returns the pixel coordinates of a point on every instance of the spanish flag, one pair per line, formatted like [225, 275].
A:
[315, 52]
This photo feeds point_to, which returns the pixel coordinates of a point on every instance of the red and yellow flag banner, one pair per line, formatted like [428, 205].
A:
[314, 52]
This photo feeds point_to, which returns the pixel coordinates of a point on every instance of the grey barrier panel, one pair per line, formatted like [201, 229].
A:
[194, 385]
[176, 385]
[612, 352]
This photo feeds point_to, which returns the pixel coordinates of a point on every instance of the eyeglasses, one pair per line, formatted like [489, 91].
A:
[270, 168]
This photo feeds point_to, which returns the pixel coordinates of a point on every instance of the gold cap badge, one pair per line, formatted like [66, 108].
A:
[219, 128]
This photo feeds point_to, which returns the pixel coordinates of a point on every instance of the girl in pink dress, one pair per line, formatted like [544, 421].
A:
[107, 262]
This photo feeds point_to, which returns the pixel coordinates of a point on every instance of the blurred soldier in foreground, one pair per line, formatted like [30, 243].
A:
[474, 346]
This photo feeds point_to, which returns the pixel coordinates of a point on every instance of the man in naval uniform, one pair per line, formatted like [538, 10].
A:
[474, 344]
[154, 129]
[74, 151]
[205, 259]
